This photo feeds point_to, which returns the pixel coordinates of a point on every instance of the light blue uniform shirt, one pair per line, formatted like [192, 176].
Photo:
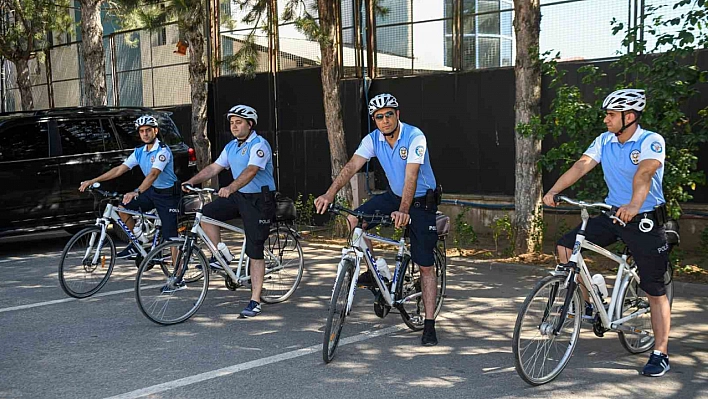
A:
[411, 147]
[159, 157]
[254, 151]
[621, 161]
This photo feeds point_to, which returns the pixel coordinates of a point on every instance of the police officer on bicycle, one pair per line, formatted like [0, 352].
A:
[251, 195]
[402, 151]
[159, 189]
[633, 165]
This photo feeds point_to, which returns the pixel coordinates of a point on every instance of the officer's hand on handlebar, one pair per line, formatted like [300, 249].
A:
[184, 186]
[84, 185]
[550, 198]
[322, 203]
[626, 213]
[400, 219]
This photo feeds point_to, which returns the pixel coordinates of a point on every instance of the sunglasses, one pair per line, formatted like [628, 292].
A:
[387, 114]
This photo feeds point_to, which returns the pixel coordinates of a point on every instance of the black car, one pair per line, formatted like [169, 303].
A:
[45, 155]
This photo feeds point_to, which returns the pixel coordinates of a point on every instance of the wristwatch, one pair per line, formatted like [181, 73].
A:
[137, 191]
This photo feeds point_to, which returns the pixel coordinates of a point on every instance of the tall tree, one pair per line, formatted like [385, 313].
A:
[528, 214]
[325, 29]
[25, 28]
[190, 16]
[92, 52]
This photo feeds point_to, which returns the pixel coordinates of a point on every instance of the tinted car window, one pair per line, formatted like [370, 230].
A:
[84, 136]
[25, 141]
[126, 126]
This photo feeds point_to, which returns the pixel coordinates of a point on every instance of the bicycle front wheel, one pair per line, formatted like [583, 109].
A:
[337, 310]
[284, 265]
[634, 299]
[540, 355]
[86, 263]
[175, 298]
[409, 288]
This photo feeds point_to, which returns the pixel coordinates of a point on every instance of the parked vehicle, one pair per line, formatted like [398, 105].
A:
[45, 155]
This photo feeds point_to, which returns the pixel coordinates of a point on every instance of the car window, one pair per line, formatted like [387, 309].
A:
[126, 127]
[169, 132]
[24, 141]
[85, 136]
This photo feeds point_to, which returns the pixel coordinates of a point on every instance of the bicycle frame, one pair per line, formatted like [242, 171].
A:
[197, 231]
[111, 214]
[360, 249]
[624, 273]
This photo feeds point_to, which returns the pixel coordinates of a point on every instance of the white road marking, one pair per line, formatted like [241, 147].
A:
[236, 368]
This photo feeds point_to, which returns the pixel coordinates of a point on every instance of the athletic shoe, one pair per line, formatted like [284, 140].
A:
[657, 365]
[128, 253]
[173, 287]
[429, 337]
[252, 310]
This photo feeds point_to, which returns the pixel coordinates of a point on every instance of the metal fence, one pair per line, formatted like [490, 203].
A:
[142, 69]
[411, 37]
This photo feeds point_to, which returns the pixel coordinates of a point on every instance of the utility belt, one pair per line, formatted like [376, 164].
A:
[174, 190]
[429, 201]
[266, 193]
[659, 215]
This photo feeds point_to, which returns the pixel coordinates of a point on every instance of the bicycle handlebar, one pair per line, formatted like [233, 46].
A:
[384, 220]
[198, 190]
[104, 193]
[609, 209]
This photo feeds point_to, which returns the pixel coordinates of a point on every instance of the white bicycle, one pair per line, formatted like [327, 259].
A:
[548, 325]
[175, 298]
[403, 292]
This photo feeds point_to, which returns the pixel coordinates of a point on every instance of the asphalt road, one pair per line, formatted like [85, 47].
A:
[52, 346]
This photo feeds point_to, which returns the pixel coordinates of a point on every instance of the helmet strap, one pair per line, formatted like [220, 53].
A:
[625, 126]
[240, 142]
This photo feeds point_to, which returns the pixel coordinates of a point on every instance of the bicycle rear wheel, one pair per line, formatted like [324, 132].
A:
[175, 298]
[284, 265]
[409, 286]
[539, 354]
[635, 299]
[337, 310]
[86, 263]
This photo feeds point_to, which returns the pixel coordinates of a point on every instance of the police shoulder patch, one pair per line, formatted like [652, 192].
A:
[419, 151]
[260, 153]
[656, 147]
[162, 158]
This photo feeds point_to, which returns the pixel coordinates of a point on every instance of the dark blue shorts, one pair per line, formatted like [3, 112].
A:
[257, 211]
[650, 250]
[423, 232]
[167, 206]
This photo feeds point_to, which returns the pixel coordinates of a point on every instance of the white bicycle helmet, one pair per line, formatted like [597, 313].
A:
[145, 120]
[383, 100]
[625, 100]
[243, 111]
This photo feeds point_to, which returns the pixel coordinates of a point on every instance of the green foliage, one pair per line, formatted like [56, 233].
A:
[502, 226]
[538, 230]
[26, 24]
[305, 210]
[464, 233]
[670, 79]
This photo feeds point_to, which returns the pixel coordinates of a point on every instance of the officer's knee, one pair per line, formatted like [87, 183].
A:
[352, 221]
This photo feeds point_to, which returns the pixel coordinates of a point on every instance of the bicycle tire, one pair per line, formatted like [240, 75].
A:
[337, 310]
[409, 284]
[281, 244]
[634, 298]
[155, 293]
[86, 273]
[544, 327]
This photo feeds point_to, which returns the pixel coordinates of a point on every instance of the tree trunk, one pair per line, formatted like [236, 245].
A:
[194, 35]
[92, 52]
[528, 191]
[331, 76]
[24, 84]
